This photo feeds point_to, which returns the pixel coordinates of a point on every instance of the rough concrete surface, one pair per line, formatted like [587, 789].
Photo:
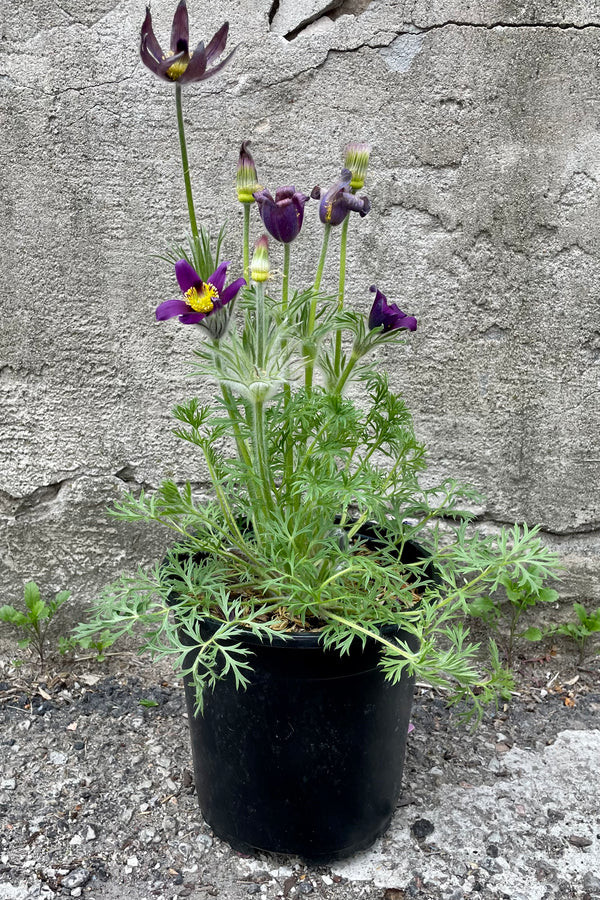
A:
[484, 119]
[97, 796]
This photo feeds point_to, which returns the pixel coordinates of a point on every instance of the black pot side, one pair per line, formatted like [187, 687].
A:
[308, 759]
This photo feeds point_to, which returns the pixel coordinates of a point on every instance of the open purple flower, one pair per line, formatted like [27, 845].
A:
[388, 314]
[282, 216]
[339, 200]
[203, 301]
[178, 64]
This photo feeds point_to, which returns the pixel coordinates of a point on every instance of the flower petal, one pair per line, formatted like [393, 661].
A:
[166, 64]
[281, 220]
[230, 291]
[149, 44]
[216, 45]
[196, 66]
[285, 193]
[388, 315]
[214, 71]
[150, 60]
[180, 30]
[192, 318]
[186, 275]
[217, 279]
[171, 308]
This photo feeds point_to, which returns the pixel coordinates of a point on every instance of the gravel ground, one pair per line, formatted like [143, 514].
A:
[97, 796]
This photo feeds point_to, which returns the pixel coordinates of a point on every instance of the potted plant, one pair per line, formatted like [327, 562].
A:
[322, 577]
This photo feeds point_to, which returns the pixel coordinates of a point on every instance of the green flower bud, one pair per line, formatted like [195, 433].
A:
[356, 158]
[247, 179]
[259, 267]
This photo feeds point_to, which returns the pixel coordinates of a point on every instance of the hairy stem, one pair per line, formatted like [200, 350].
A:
[287, 391]
[184, 162]
[246, 241]
[310, 363]
[341, 293]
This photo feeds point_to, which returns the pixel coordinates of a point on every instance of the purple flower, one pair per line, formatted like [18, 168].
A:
[178, 64]
[388, 314]
[339, 200]
[282, 217]
[203, 301]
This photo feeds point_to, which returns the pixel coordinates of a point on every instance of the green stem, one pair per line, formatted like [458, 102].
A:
[260, 451]
[247, 241]
[285, 286]
[310, 364]
[259, 324]
[287, 391]
[341, 292]
[348, 369]
[184, 163]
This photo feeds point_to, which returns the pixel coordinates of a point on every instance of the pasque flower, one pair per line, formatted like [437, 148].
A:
[178, 64]
[388, 314]
[247, 178]
[356, 158]
[203, 301]
[259, 269]
[339, 200]
[282, 216]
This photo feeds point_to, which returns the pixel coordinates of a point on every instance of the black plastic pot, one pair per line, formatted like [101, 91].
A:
[308, 759]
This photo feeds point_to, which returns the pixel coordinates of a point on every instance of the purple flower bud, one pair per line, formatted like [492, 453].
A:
[388, 314]
[339, 200]
[282, 216]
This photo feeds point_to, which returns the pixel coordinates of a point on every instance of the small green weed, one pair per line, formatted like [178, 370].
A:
[98, 643]
[33, 623]
[580, 631]
[521, 594]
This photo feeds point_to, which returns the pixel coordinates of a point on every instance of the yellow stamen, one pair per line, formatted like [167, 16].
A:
[328, 211]
[175, 71]
[202, 301]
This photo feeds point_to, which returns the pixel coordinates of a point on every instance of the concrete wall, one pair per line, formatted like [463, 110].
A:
[484, 118]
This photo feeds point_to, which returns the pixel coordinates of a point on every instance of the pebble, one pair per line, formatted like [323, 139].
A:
[90, 834]
[147, 835]
[305, 887]
[8, 784]
[57, 758]
[591, 883]
[76, 878]
[422, 828]
[133, 862]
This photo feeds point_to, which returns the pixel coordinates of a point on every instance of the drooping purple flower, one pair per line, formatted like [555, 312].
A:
[178, 64]
[282, 216]
[203, 302]
[339, 200]
[388, 314]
